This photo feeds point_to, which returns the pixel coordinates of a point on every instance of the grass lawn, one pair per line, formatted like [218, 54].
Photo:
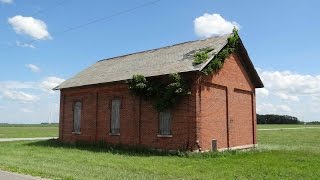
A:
[283, 154]
[28, 131]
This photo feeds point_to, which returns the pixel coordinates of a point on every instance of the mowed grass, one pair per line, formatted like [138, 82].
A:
[285, 154]
[304, 139]
[28, 131]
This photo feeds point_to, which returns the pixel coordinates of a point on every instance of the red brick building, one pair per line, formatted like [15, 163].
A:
[96, 104]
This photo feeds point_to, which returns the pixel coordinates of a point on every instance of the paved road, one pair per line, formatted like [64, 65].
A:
[13, 176]
[25, 139]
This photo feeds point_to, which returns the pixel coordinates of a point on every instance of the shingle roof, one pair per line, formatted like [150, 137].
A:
[172, 59]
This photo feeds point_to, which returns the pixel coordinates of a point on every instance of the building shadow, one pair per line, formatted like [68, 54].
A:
[103, 147]
[107, 148]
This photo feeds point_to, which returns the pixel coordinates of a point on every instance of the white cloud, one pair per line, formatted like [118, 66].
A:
[25, 45]
[292, 84]
[46, 85]
[6, 1]
[262, 92]
[284, 108]
[211, 25]
[30, 26]
[25, 110]
[33, 68]
[50, 82]
[315, 104]
[29, 102]
[289, 93]
[19, 96]
[268, 108]
[287, 97]
[265, 106]
[4, 85]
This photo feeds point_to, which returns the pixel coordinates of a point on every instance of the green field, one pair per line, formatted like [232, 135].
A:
[28, 131]
[283, 154]
[274, 126]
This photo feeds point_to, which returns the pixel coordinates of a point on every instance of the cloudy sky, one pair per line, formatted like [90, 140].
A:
[42, 43]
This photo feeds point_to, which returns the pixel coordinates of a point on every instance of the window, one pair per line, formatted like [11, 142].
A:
[115, 116]
[165, 122]
[77, 117]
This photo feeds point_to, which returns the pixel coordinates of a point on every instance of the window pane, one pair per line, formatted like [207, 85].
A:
[115, 116]
[77, 117]
[165, 122]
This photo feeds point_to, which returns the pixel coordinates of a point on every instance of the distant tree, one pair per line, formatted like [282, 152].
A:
[313, 123]
[277, 119]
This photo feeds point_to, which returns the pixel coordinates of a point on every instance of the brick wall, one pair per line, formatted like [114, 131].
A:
[139, 122]
[221, 107]
[226, 107]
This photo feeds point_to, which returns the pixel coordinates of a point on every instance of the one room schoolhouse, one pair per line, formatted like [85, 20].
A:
[219, 112]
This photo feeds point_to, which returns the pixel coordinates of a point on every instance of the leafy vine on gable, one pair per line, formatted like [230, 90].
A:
[218, 60]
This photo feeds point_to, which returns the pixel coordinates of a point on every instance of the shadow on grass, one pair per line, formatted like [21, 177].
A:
[131, 151]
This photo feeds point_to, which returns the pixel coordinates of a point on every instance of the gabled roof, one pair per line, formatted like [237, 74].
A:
[171, 59]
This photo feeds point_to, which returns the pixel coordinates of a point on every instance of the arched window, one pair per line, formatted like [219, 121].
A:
[77, 108]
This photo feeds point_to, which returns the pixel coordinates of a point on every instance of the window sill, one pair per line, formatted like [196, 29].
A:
[114, 134]
[76, 133]
[164, 136]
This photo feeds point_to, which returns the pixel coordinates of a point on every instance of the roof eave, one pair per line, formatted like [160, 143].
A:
[56, 88]
[253, 74]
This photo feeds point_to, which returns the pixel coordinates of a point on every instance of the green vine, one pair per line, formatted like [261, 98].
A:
[201, 56]
[217, 62]
[165, 95]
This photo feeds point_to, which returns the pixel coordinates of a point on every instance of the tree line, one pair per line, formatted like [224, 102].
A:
[277, 119]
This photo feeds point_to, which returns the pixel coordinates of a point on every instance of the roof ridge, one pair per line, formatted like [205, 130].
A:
[164, 47]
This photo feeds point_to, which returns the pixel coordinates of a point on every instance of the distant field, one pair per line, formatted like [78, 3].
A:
[276, 126]
[302, 140]
[28, 130]
[282, 154]
[29, 125]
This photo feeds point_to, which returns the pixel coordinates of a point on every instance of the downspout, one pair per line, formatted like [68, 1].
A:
[253, 118]
[198, 113]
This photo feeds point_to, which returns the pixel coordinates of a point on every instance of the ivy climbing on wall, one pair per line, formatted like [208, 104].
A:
[164, 95]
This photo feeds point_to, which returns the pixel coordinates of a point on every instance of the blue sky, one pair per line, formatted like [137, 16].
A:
[36, 53]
